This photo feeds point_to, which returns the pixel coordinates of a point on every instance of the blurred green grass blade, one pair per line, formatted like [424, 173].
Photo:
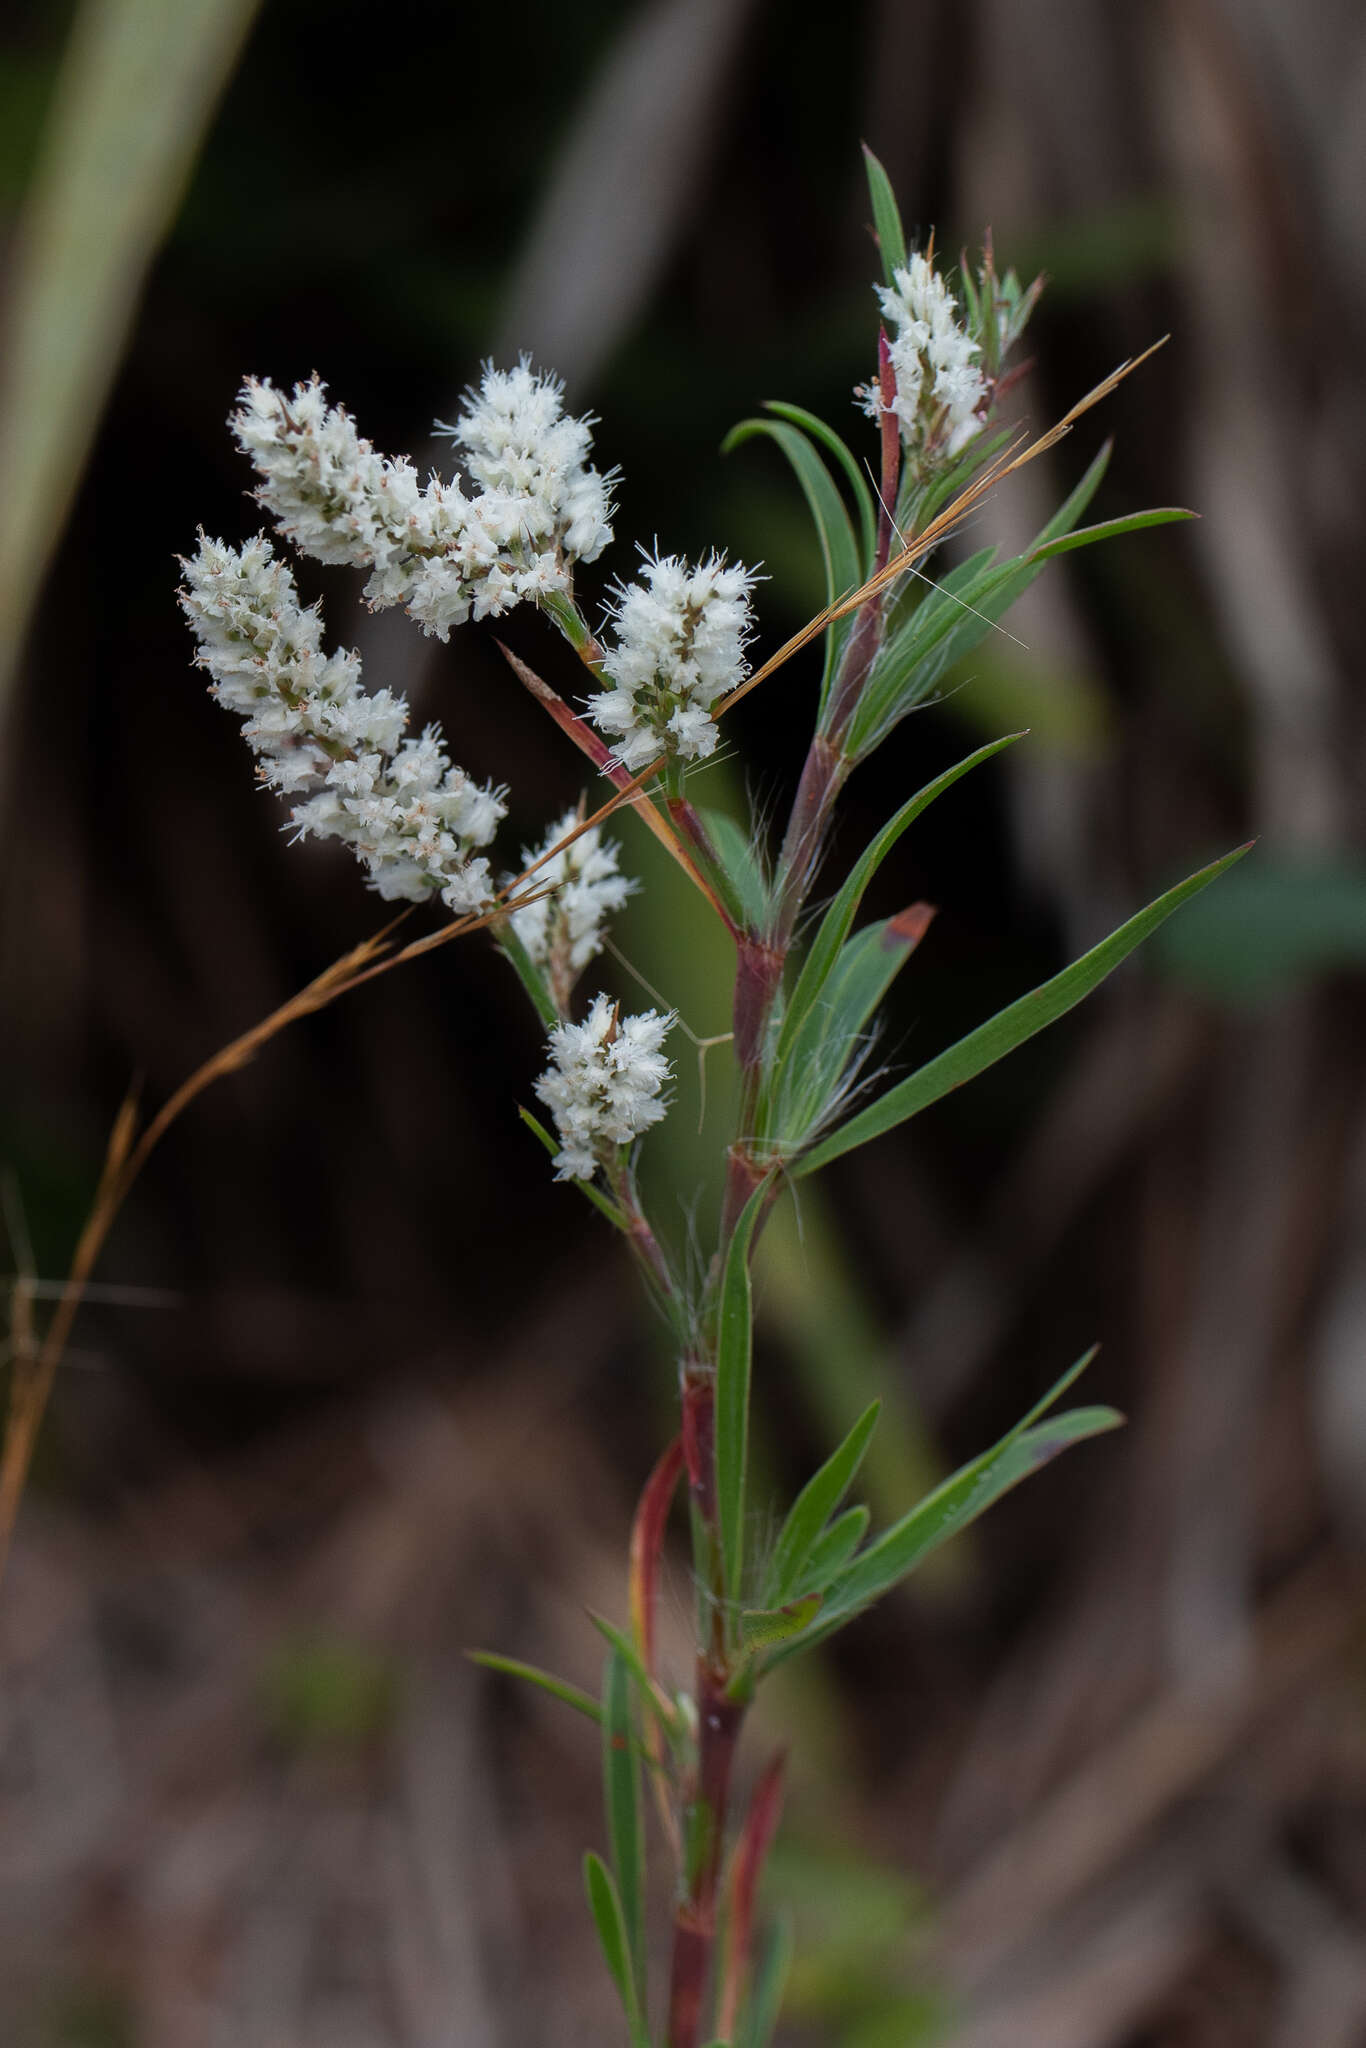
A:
[625, 1822]
[558, 1688]
[734, 1352]
[1110, 529]
[1273, 928]
[891, 236]
[814, 1506]
[1010, 1028]
[138, 86]
[605, 1906]
[798, 416]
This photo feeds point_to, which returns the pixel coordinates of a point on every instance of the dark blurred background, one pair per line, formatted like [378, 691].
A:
[365, 1388]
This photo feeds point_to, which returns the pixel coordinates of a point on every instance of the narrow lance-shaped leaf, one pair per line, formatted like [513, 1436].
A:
[953, 1505]
[735, 1341]
[832, 1551]
[839, 549]
[625, 1822]
[652, 1695]
[814, 1506]
[605, 1905]
[828, 1054]
[828, 438]
[891, 235]
[838, 921]
[1110, 529]
[1001, 1034]
[838, 546]
[558, 1688]
[957, 1503]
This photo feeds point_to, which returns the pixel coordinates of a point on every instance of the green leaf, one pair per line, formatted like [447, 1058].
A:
[1001, 1034]
[763, 2007]
[814, 1506]
[838, 546]
[558, 1688]
[950, 620]
[529, 974]
[957, 1502]
[953, 1505]
[734, 1351]
[832, 1551]
[761, 1627]
[1076, 501]
[1109, 529]
[618, 1640]
[891, 236]
[738, 853]
[819, 431]
[838, 921]
[625, 1822]
[953, 617]
[839, 549]
[605, 1906]
[827, 1056]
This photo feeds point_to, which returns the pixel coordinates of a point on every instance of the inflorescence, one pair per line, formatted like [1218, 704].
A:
[604, 1084]
[442, 553]
[412, 817]
[679, 647]
[563, 930]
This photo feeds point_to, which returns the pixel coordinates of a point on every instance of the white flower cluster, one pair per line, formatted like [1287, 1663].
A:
[603, 1084]
[438, 551]
[940, 391]
[413, 818]
[679, 646]
[562, 932]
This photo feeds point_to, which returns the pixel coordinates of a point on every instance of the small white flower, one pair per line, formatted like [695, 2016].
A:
[604, 1083]
[409, 814]
[940, 391]
[679, 646]
[563, 931]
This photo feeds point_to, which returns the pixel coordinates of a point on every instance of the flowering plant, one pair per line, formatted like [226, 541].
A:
[526, 509]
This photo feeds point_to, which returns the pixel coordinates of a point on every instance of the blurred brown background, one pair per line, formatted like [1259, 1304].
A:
[366, 1387]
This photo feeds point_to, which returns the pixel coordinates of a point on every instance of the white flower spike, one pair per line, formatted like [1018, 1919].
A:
[563, 931]
[679, 647]
[412, 817]
[441, 552]
[940, 391]
[604, 1083]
